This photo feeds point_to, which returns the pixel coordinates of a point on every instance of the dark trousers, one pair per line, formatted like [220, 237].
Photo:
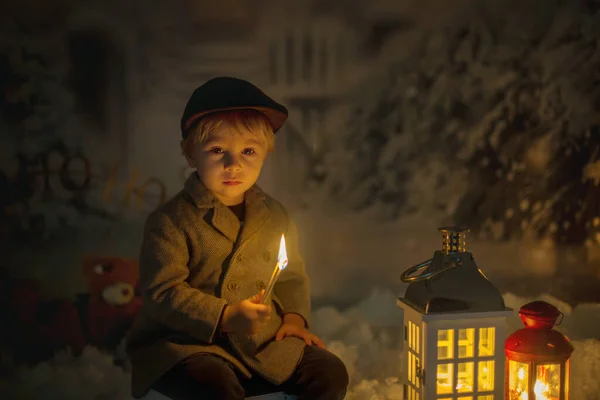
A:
[320, 375]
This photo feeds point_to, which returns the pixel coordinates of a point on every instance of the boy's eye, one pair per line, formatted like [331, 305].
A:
[216, 150]
[248, 151]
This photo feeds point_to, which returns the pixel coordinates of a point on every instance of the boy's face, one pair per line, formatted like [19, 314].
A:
[228, 162]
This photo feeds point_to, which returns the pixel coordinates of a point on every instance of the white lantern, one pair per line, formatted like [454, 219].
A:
[454, 327]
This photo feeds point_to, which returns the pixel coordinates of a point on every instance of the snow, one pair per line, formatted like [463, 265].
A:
[366, 336]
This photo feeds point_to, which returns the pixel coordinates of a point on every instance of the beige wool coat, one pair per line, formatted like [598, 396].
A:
[195, 259]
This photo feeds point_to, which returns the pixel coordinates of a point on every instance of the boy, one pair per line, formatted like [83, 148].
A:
[205, 259]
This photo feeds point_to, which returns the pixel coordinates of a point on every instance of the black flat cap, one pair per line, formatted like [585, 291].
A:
[226, 93]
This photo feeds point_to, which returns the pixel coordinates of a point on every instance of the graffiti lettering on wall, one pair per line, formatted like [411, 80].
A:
[148, 195]
[60, 176]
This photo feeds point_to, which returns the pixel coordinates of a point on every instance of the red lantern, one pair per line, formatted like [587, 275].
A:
[537, 357]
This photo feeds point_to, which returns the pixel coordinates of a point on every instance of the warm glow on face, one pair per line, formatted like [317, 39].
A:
[282, 258]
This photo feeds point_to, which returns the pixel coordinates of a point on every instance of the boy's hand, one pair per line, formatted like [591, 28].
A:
[246, 317]
[293, 325]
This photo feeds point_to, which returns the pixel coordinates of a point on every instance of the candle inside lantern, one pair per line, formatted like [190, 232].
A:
[282, 262]
[538, 356]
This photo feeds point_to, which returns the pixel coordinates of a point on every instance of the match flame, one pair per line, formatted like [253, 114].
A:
[282, 258]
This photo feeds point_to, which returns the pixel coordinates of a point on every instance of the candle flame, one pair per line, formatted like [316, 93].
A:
[540, 389]
[282, 258]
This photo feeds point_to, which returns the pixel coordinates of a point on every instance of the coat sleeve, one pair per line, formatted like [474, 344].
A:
[163, 280]
[293, 286]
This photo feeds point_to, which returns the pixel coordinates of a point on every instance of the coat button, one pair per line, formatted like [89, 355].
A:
[267, 256]
[239, 258]
[232, 286]
[260, 285]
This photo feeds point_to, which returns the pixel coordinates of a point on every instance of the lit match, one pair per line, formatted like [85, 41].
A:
[282, 262]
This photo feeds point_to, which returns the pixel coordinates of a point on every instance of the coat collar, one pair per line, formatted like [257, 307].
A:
[221, 217]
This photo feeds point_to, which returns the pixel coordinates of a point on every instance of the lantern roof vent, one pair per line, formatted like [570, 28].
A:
[451, 282]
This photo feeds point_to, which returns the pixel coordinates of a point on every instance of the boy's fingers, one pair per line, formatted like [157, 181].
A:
[263, 319]
[262, 310]
[257, 298]
[317, 340]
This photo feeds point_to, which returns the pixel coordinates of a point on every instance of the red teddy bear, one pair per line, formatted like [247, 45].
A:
[113, 300]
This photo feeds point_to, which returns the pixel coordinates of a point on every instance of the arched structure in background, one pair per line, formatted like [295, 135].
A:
[307, 63]
[100, 63]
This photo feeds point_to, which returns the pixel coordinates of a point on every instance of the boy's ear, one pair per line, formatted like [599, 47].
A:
[186, 154]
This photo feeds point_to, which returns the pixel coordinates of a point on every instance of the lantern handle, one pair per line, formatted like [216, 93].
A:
[407, 278]
[560, 319]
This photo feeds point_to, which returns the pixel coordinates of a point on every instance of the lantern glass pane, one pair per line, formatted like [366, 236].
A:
[444, 378]
[466, 343]
[567, 378]
[518, 380]
[414, 337]
[465, 398]
[486, 397]
[445, 344]
[412, 394]
[466, 376]
[417, 339]
[485, 376]
[547, 382]
[411, 370]
[487, 337]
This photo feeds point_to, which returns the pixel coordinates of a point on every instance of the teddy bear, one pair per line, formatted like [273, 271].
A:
[112, 301]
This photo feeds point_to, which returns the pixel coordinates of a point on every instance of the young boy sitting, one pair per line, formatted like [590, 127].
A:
[207, 254]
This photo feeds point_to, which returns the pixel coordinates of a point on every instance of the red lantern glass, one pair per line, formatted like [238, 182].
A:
[537, 356]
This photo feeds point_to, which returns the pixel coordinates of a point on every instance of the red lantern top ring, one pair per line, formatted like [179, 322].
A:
[540, 315]
[538, 341]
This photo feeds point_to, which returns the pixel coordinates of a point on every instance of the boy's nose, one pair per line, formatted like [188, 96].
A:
[232, 164]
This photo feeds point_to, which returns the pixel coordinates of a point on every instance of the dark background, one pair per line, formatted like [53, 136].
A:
[404, 117]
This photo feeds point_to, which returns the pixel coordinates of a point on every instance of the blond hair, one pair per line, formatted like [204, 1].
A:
[245, 121]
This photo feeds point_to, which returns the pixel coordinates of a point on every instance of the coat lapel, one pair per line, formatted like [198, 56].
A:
[225, 221]
[257, 213]
[222, 218]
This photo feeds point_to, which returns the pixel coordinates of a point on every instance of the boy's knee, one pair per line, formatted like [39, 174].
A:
[335, 372]
[324, 374]
[220, 384]
[214, 378]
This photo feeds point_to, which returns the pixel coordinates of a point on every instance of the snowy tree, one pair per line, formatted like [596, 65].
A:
[36, 103]
[490, 122]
